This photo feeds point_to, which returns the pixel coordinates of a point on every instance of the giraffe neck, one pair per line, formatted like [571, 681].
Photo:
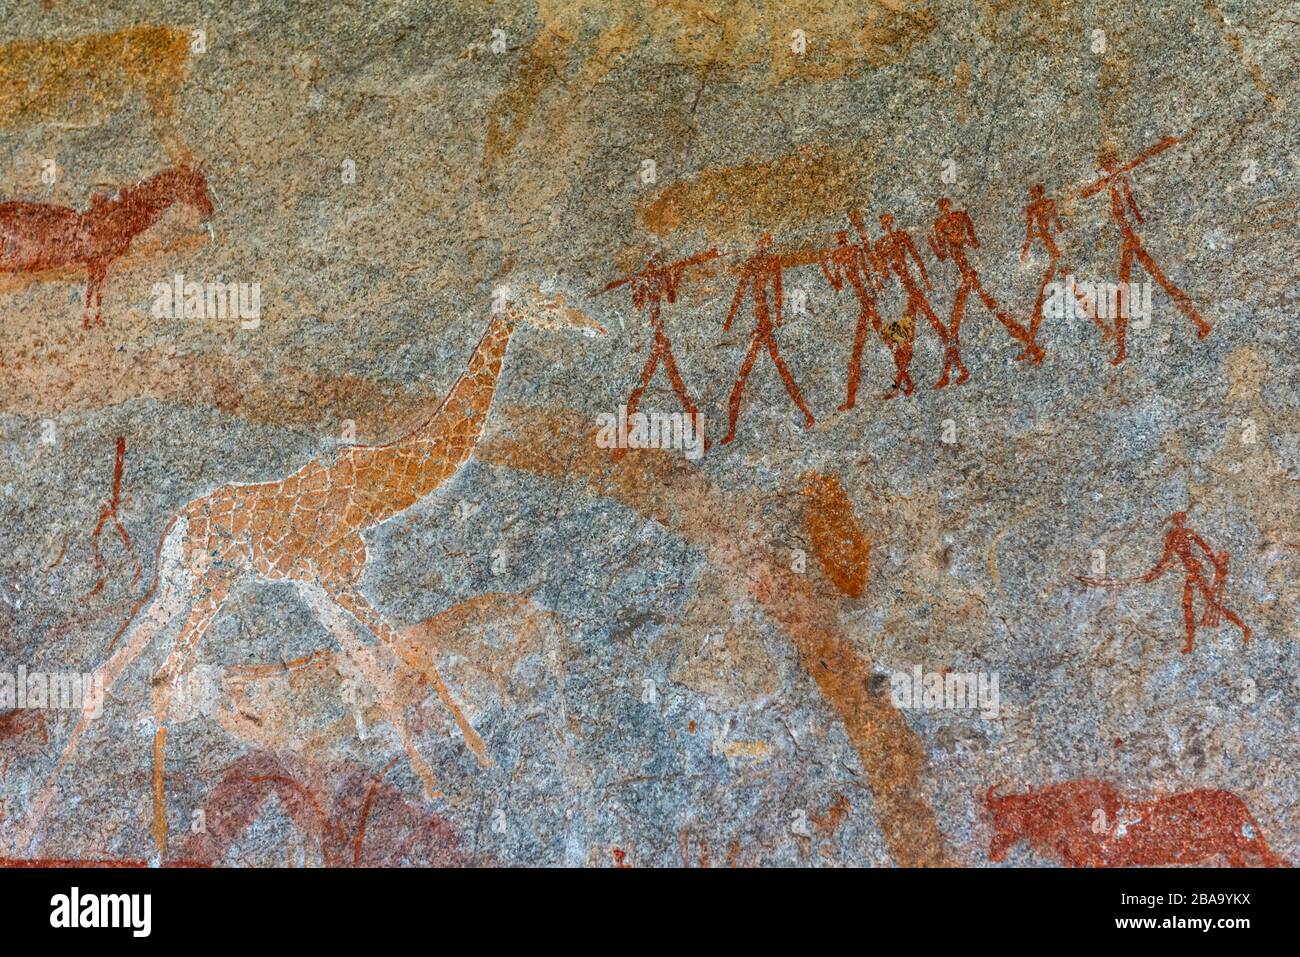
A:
[391, 478]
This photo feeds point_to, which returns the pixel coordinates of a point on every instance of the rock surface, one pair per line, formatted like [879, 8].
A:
[673, 656]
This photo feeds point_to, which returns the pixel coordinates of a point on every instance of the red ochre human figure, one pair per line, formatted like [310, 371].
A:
[109, 514]
[953, 233]
[762, 272]
[1122, 204]
[1181, 544]
[650, 286]
[1044, 223]
[892, 252]
[856, 263]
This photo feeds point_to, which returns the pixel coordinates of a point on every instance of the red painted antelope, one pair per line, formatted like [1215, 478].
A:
[35, 237]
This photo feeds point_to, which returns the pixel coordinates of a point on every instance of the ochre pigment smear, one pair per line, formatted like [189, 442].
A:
[86, 79]
[664, 489]
[841, 547]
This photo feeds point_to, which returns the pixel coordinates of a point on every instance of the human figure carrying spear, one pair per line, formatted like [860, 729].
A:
[1131, 247]
[1181, 543]
[759, 274]
[651, 285]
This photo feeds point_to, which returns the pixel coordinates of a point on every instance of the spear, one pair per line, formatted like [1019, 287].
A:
[1142, 157]
[650, 269]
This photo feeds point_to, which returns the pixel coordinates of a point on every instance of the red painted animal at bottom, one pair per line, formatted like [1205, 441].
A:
[1087, 823]
[348, 814]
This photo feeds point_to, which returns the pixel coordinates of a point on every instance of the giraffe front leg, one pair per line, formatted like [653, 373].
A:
[334, 616]
[352, 601]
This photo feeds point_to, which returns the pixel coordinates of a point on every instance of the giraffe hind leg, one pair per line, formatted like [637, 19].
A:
[356, 604]
[179, 663]
[174, 590]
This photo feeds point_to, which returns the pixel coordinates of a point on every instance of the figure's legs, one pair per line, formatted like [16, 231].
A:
[675, 377]
[97, 558]
[790, 387]
[1180, 298]
[1121, 320]
[1232, 617]
[855, 359]
[647, 372]
[1214, 608]
[1032, 351]
[1189, 613]
[1036, 318]
[1090, 310]
[902, 352]
[179, 663]
[952, 353]
[679, 386]
[733, 404]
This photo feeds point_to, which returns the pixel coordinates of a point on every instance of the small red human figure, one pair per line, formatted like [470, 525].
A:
[953, 233]
[856, 263]
[892, 251]
[1181, 543]
[109, 514]
[650, 286]
[762, 272]
[1121, 204]
[1043, 222]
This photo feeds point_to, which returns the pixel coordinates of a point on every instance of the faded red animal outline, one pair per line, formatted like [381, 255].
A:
[36, 237]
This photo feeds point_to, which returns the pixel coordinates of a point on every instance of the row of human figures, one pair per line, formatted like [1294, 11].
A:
[866, 266]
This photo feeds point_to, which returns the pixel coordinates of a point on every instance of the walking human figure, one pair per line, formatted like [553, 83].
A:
[109, 514]
[953, 234]
[855, 263]
[761, 273]
[651, 285]
[1122, 204]
[1180, 544]
[893, 251]
[1042, 222]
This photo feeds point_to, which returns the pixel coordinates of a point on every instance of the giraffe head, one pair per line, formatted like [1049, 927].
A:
[549, 311]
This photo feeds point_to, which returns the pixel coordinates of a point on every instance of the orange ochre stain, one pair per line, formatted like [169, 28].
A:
[734, 203]
[665, 490]
[838, 542]
[86, 79]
